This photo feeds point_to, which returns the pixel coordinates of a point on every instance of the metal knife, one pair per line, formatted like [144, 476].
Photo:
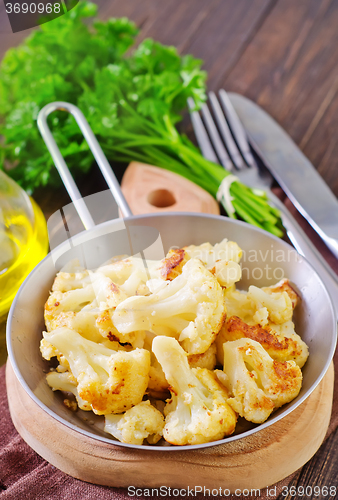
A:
[293, 171]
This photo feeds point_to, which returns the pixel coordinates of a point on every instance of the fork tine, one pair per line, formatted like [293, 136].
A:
[200, 133]
[216, 139]
[226, 132]
[237, 128]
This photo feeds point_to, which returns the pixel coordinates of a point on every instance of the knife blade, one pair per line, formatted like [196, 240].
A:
[292, 170]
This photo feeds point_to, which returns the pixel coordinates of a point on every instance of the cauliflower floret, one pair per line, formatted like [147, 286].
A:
[281, 342]
[131, 274]
[261, 304]
[83, 322]
[66, 382]
[107, 329]
[278, 304]
[256, 382]
[205, 360]
[238, 303]
[48, 352]
[209, 254]
[286, 330]
[158, 386]
[190, 308]
[88, 310]
[261, 317]
[141, 422]
[284, 286]
[221, 259]
[227, 272]
[70, 281]
[71, 301]
[107, 293]
[111, 381]
[101, 292]
[118, 271]
[172, 265]
[198, 411]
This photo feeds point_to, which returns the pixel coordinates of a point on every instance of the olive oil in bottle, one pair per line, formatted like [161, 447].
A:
[23, 239]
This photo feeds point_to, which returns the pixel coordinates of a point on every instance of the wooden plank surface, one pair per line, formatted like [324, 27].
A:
[283, 54]
[290, 69]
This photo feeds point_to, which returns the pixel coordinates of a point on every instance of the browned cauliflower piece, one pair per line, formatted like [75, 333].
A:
[284, 286]
[141, 422]
[111, 381]
[205, 360]
[198, 411]
[172, 265]
[66, 382]
[280, 341]
[190, 308]
[278, 304]
[257, 384]
[158, 386]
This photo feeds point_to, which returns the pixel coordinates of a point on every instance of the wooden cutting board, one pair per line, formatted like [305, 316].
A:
[256, 461]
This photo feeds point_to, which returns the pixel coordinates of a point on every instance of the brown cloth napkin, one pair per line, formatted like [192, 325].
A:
[25, 475]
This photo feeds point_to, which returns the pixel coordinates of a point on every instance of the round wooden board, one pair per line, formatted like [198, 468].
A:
[256, 461]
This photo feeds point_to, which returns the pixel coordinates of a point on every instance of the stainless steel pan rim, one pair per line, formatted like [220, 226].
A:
[199, 218]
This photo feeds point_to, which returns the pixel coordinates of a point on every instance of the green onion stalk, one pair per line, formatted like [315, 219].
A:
[163, 146]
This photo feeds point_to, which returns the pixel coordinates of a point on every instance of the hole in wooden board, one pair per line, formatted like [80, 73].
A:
[161, 198]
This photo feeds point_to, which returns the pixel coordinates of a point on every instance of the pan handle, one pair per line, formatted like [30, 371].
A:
[63, 170]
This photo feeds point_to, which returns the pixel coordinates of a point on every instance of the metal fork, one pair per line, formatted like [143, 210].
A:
[222, 139]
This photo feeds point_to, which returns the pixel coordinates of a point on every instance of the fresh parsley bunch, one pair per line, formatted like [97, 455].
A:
[132, 100]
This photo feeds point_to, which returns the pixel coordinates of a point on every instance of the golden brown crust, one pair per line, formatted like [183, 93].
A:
[239, 329]
[284, 286]
[104, 321]
[173, 263]
[289, 379]
[278, 347]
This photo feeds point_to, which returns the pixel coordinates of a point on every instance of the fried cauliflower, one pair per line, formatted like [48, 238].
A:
[172, 265]
[205, 360]
[111, 381]
[221, 259]
[171, 348]
[131, 274]
[190, 308]
[209, 254]
[256, 383]
[238, 303]
[104, 324]
[64, 281]
[281, 342]
[66, 382]
[141, 422]
[274, 303]
[278, 304]
[198, 411]
[284, 286]
[48, 352]
[158, 386]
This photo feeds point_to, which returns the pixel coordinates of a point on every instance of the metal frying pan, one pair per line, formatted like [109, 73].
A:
[315, 317]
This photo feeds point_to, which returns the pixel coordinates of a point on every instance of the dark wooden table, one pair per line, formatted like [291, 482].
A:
[283, 54]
